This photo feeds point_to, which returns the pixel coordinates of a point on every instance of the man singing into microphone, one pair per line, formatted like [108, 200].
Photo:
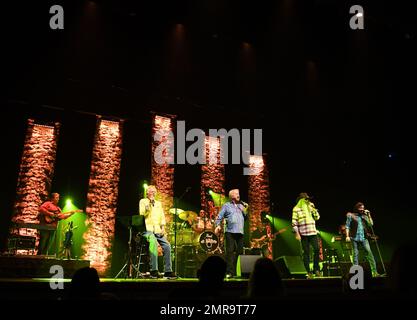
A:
[235, 213]
[304, 216]
[357, 224]
[155, 232]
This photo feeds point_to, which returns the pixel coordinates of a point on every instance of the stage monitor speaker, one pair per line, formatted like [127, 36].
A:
[291, 267]
[245, 264]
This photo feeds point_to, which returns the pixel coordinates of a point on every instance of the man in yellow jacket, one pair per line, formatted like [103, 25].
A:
[155, 232]
[304, 216]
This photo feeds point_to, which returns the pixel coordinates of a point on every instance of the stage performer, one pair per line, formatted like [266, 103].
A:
[234, 212]
[49, 215]
[358, 223]
[155, 232]
[262, 237]
[304, 216]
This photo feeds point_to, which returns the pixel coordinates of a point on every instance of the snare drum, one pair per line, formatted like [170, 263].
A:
[208, 241]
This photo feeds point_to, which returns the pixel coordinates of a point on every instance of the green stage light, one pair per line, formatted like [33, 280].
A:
[145, 186]
[328, 238]
[218, 198]
[68, 202]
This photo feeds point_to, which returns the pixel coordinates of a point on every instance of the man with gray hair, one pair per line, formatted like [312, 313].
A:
[234, 213]
[155, 232]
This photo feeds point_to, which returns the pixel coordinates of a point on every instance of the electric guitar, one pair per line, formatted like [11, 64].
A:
[259, 243]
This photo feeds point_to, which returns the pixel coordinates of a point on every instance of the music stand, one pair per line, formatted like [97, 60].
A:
[130, 221]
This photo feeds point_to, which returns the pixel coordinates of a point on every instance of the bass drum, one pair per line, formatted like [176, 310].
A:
[208, 241]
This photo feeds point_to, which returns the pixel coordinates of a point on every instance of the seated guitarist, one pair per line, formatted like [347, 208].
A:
[50, 213]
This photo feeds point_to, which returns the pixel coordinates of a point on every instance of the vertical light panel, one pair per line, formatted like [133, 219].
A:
[162, 175]
[212, 175]
[102, 194]
[35, 174]
[258, 191]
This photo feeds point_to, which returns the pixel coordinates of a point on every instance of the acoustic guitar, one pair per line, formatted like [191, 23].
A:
[59, 216]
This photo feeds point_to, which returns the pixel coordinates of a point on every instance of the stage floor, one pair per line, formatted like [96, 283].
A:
[30, 278]
[183, 289]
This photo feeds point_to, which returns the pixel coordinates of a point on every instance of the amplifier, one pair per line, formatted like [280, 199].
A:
[18, 242]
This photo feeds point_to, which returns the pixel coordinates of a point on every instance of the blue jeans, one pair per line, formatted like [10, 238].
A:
[368, 253]
[154, 239]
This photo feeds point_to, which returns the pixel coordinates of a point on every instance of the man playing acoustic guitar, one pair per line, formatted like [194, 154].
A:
[50, 213]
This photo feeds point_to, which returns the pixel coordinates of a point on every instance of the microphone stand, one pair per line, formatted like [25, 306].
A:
[376, 242]
[175, 227]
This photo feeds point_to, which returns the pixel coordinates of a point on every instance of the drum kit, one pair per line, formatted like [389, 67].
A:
[192, 230]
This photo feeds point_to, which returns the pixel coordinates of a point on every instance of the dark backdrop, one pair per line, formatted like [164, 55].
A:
[335, 104]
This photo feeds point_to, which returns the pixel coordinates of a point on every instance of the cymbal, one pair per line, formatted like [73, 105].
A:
[186, 215]
[175, 210]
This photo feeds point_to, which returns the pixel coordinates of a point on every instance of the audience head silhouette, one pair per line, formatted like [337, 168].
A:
[265, 281]
[85, 284]
[211, 274]
[399, 275]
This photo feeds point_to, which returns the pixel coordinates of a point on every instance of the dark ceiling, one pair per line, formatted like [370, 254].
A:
[212, 56]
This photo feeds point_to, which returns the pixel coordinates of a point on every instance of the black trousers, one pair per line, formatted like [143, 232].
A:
[234, 247]
[47, 243]
[306, 241]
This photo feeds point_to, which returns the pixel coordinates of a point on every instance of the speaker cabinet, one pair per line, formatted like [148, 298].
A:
[245, 264]
[291, 267]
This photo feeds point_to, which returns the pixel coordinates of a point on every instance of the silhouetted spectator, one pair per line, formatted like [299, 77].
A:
[211, 277]
[85, 285]
[401, 278]
[265, 281]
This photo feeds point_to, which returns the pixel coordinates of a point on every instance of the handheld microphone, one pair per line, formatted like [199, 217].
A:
[243, 203]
